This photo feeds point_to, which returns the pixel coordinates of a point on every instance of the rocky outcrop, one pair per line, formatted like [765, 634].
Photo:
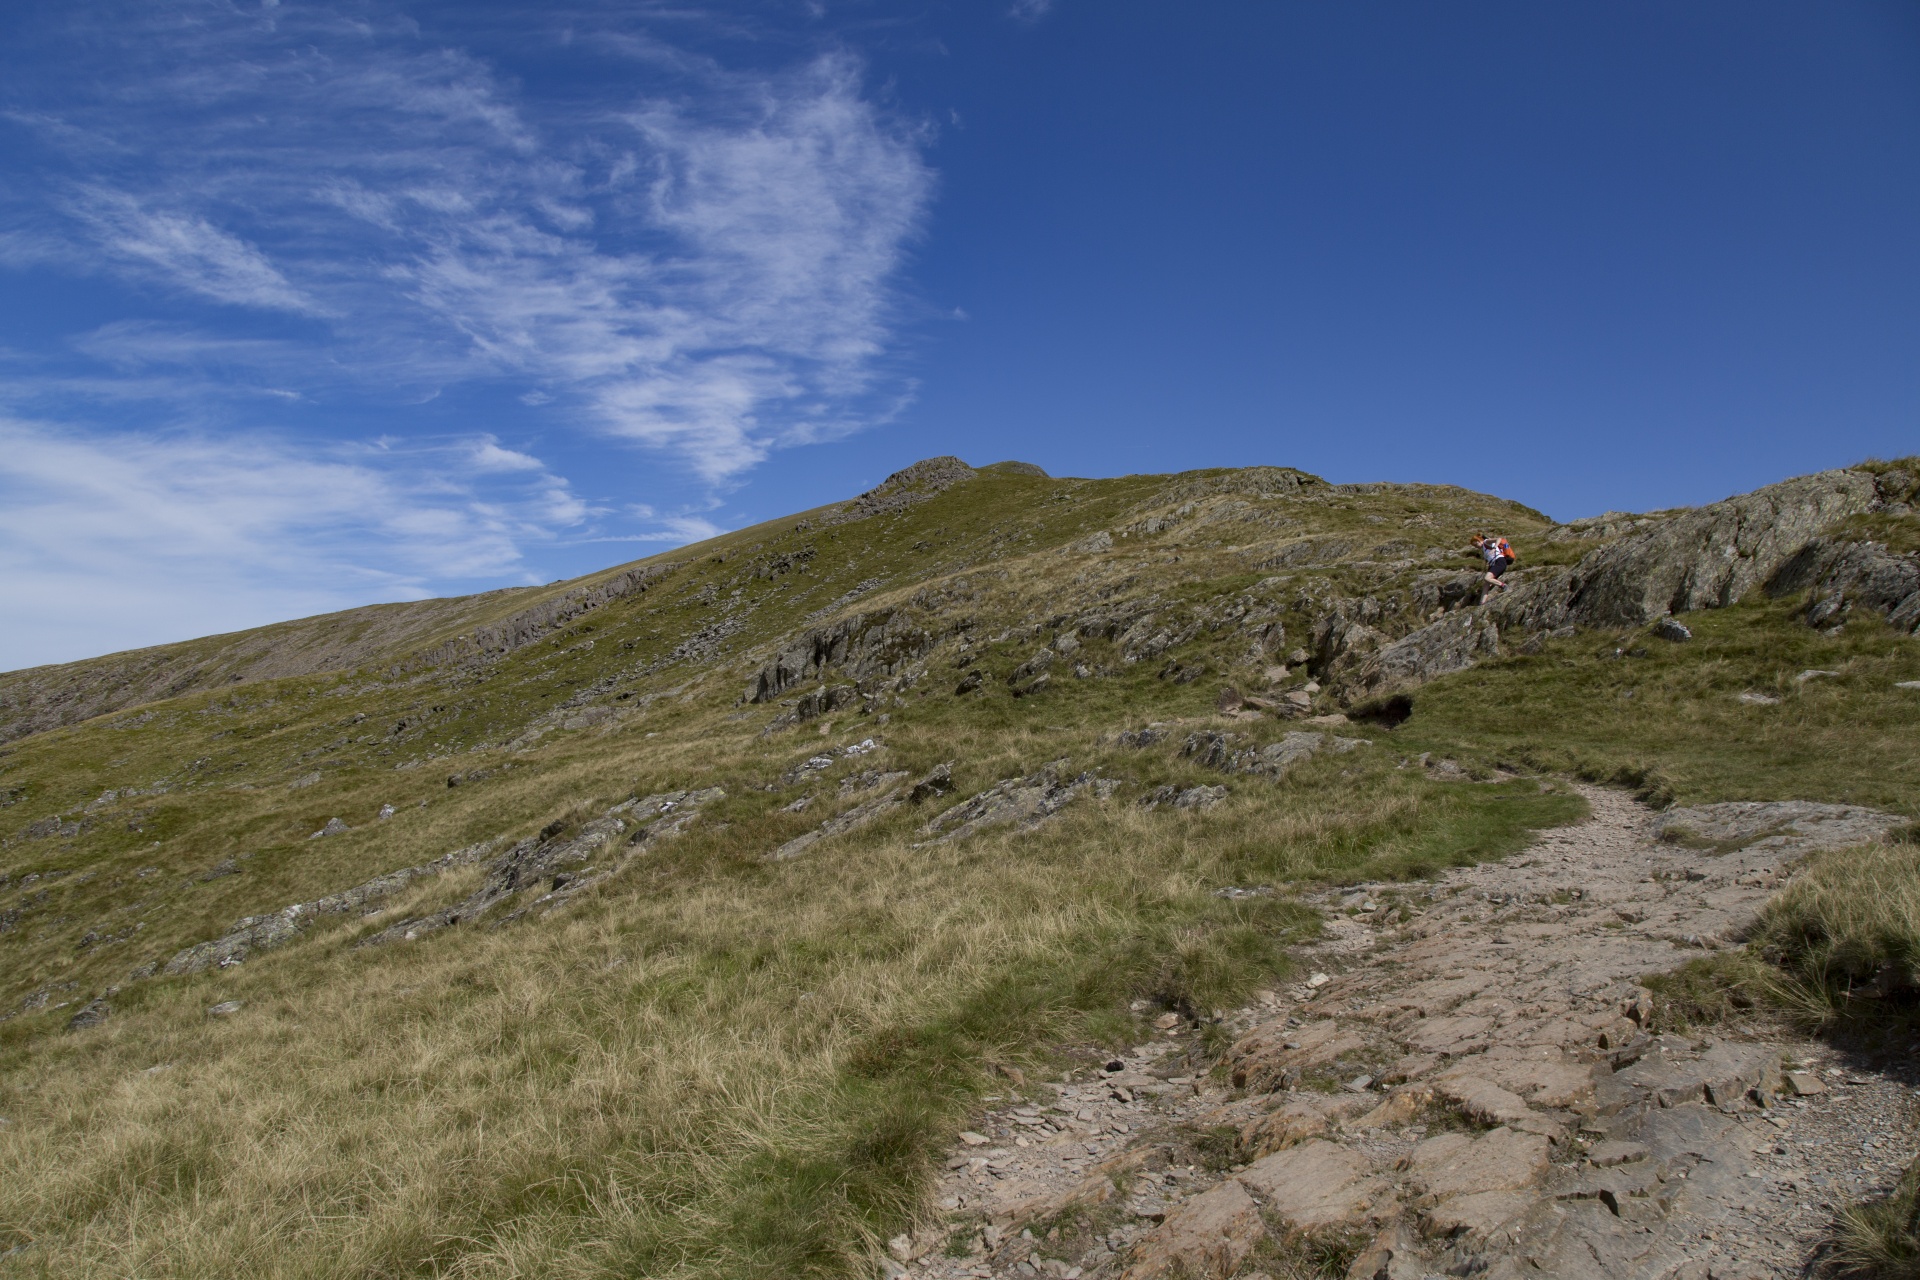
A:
[905, 488]
[262, 933]
[938, 782]
[1840, 577]
[1713, 556]
[1454, 643]
[540, 620]
[1223, 751]
[563, 858]
[1020, 802]
[860, 647]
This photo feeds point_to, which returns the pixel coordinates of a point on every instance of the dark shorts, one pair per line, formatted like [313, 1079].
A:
[1499, 565]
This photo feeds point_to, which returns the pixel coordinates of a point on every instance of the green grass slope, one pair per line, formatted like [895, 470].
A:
[719, 1065]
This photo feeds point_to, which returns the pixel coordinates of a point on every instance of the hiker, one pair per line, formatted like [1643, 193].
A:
[1498, 553]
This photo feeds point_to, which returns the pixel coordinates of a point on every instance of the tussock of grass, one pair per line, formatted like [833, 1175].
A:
[1880, 1240]
[1849, 923]
[1840, 945]
[1712, 989]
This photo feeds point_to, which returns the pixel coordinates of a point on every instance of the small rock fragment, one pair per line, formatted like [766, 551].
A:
[1671, 628]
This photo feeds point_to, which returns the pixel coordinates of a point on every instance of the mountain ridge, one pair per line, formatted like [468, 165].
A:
[727, 881]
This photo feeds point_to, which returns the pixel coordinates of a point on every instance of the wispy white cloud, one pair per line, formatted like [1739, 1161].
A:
[705, 270]
[689, 262]
[211, 532]
[188, 252]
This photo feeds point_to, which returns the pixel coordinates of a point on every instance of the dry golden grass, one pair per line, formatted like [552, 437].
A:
[717, 1067]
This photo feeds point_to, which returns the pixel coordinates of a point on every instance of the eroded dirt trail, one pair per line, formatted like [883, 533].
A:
[1467, 1083]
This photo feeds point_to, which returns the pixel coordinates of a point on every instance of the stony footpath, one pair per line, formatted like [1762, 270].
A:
[1465, 1085]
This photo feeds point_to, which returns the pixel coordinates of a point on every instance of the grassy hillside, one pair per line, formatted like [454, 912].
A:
[715, 1064]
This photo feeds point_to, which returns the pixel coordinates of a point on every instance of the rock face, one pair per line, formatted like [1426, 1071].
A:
[1843, 576]
[1454, 643]
[1714, 556]
[1530, 1124]
[861, 646]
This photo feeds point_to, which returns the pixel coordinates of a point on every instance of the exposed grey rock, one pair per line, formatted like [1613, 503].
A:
[1032, 667]
[264, 932]
[334, 827]
[937, 782]
[905, 488]
[1713, 556]
[1765, 824]
[1158, 796]
[226, 1008]
[1341, 642]
[1199, 797]
[91, 1014]
[816, 702]
[1842, 576]
[1454, 643]
[1023, 802]
[1220, 751]
[862, 646]
[560, 858]
[1669, 627]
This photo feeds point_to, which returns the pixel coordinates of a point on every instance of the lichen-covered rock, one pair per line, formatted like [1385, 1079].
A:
[1454, 643]
[1840, 577]
[1713, 556]
[1024, 802]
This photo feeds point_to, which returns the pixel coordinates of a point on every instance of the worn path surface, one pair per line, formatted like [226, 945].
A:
[1465, 1088]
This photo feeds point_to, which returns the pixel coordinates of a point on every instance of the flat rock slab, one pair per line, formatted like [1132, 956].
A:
[1316, 1184]
[1210, 1238]
[1454, 1164]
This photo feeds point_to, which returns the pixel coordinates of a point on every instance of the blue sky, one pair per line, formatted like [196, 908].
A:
[311, 304]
